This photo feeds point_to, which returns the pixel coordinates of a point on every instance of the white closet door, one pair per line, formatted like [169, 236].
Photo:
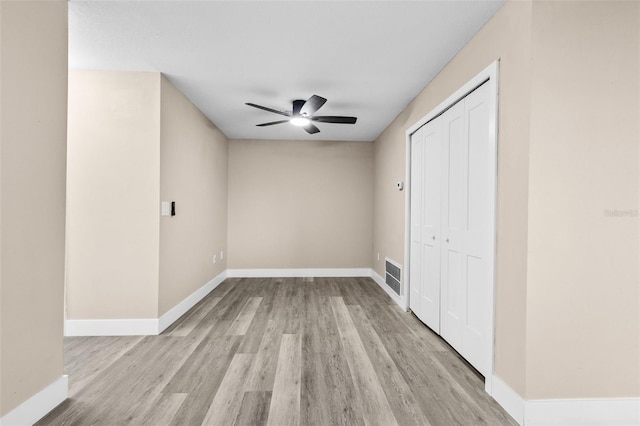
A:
[425, 224]
[479, 155]
[415, 260]
[454, 190]
[453, 166]
[431, 155]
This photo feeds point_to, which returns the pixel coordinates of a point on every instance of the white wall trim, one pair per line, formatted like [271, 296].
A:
[566, 412]
[383, 285]
[173, 314]
[509, 399]
[111, 327]
[140, 327]
[583, 412]
[36, 407]
[289, 273]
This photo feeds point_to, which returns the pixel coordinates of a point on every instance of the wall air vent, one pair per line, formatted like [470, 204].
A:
[393, 275]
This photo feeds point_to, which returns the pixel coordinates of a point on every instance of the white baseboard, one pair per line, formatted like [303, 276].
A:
[36, 407]
[111, 327]
[392, 294]
[289, 273]
[509, 399]
[189, 302]
[140, 327]
[583, 412]
[566, 412]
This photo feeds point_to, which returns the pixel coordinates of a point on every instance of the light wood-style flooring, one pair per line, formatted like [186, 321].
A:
[278, 351]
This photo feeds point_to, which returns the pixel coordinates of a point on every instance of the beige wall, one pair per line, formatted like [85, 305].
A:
[567, 284]
[583, 286]
[506, 37]
[193, 173]
[113, 200]
[135, 140]
[300, 204]
[33, 82]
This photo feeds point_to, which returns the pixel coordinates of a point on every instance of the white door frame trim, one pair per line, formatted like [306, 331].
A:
[490, 76]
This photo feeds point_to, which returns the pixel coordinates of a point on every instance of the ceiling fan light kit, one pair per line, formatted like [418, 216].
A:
[301, 114]
[299, 121]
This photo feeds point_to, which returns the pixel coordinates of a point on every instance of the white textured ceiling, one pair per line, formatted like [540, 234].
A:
[368, 58]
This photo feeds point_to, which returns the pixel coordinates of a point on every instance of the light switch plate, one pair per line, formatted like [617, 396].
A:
[166, 208]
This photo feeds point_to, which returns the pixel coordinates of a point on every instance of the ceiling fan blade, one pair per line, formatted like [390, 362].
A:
[297, 106]
[271, 123]
[268, 109]
[312, 105]
[311, 129]
[334, 119]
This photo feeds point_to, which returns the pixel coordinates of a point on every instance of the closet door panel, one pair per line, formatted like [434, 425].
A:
[476, 267]
[453, 193]
[415, 260]
[430, 304]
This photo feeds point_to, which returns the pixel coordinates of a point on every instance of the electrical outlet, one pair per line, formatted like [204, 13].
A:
[221, 254]
[215, 258]
[378, 256]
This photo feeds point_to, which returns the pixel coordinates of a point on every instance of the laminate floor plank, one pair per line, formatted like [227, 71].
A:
[293, 310]
[213, 354]
[241, 323]
[253, 337]
[146, 385]
[225, 407]
[285, 398]
[319, 329]
[328, 395]
[401, 399]
[333, 287]
[324, 288]
[374, 291]
[235, 303]
[382, 321]
[469, 383]
[421, 335]
[210, 376]
[307, 351]
[313, 390]
[103, 351]
[254, 409]
[425, 385]
[185, 325]
[443, 400]
[263, 372]
[76, 346]
[125, 389]
[348, 292]
[375, 406]
[219, 320]
[327, 392]
[464, 374]
[281, 303]
[163, 412]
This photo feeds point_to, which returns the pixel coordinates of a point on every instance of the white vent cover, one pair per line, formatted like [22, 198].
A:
[393, 275]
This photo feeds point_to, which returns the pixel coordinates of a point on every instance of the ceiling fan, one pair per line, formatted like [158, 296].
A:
[302, 112]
